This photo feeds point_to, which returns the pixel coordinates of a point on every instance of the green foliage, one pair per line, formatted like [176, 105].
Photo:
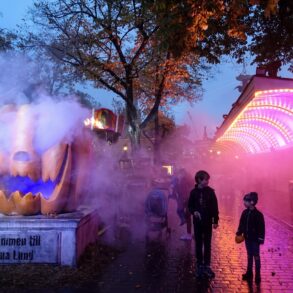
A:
[213, 28]
[272, 38]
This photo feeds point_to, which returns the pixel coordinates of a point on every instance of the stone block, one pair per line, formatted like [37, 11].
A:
[44, 239]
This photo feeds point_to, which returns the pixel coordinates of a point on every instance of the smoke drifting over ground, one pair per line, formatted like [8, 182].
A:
[32, 122]
[17, 74]
[233, 174]
[53, 119]
[119, 194]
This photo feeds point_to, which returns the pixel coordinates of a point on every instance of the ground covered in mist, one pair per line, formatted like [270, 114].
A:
[93, 262]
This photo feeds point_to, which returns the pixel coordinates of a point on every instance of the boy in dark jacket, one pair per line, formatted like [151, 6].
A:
[203, 205]
[252, 227]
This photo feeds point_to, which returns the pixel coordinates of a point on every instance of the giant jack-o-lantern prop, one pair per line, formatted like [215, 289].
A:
[30, 182]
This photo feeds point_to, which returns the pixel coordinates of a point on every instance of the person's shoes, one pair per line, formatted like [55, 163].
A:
[209, 272]
[247, 276]
[257, 279]
[186, 237]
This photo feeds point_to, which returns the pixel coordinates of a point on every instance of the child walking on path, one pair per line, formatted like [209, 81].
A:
[252, 227]
[203, 205]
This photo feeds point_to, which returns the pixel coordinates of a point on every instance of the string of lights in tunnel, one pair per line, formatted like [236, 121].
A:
[265, 123]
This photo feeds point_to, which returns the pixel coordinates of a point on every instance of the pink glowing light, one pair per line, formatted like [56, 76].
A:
[262, 141]
[259, 132]
[266, 122]
[228, 146]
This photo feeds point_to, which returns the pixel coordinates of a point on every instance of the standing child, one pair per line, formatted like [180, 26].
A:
[252, 227]
[203, 205]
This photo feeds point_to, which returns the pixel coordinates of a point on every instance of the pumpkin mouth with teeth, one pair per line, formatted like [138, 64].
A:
[32, 183]
[27, 196]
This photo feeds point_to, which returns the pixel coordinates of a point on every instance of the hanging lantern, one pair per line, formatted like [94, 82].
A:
[104, 119]
[106, 124]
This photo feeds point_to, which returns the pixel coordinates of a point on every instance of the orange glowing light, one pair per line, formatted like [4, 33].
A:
[169, 169]
[98, 124]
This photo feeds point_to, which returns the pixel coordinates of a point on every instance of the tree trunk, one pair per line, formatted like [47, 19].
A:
[157, 151]
[134, 131]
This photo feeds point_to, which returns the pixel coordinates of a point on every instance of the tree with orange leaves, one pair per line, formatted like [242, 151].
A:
[212, 28]
[115, 45]
[147, 52]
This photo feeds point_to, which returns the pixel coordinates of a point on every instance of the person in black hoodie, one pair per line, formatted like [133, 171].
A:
[203, 205]
[252, 227]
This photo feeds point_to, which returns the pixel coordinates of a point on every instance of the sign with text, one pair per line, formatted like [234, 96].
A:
[29, 247]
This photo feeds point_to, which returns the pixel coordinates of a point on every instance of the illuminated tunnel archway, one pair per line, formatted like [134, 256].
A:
[228, 146]
[260, 142]
[265, 123]
[260, 133]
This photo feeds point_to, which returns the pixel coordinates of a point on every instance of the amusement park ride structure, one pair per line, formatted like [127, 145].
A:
[261, 120]
[254, 144]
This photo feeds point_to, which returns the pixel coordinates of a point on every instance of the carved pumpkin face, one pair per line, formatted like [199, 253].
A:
[38, 178]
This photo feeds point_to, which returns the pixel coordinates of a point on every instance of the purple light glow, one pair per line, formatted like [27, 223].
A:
[265, 123]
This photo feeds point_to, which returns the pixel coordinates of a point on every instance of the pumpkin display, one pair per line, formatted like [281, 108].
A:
[33, 182]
